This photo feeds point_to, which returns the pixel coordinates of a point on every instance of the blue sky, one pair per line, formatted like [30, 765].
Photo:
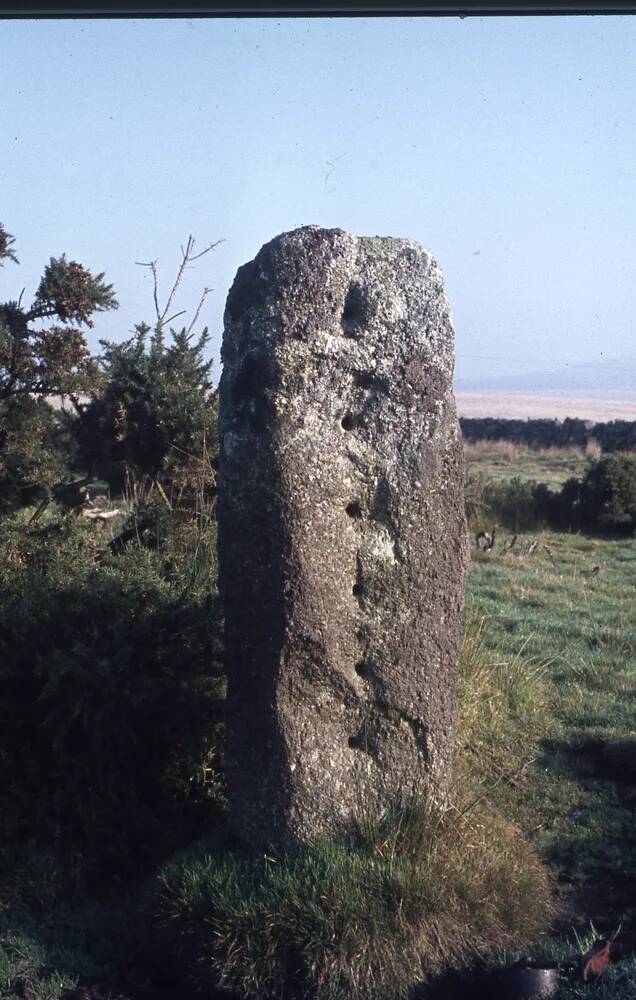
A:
[507, 146]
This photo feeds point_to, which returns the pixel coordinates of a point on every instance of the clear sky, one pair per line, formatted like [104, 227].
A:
[507, 146]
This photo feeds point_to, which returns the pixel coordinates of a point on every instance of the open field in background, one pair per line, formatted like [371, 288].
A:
[565, 615]
[496, 460]
[516, 406]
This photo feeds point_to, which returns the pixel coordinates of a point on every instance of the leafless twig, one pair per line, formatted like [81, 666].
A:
[188, 256]
[152, 265]
[332, 166]
[206, 292]
[174, 316]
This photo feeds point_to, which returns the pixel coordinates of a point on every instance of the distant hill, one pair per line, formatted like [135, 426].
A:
[614, 379]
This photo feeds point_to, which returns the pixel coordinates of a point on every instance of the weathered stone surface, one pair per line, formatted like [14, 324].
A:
[342, 541]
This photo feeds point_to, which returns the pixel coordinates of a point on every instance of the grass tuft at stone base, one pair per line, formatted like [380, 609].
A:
[412, 894]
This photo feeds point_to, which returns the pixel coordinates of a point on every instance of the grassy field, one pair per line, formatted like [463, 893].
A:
[547, 742]
[567, 612]
[497, 460]
[563, 609]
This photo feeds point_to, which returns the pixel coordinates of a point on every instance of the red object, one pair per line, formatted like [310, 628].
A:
[596, 961]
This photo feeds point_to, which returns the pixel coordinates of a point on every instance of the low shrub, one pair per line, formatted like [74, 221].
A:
[110, 696]
[607, 494]
[603, 500]
[615, 435]
[154, 413]
[34, 452]
[515, 504]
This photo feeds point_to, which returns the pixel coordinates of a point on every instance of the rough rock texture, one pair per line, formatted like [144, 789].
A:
[342, 541]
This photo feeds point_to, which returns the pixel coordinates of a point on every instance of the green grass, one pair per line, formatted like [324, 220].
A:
[497, 460]
[547, 660]
[547, 739]
[579, 623]
[410, 895]
[44, 953]
[566, 611]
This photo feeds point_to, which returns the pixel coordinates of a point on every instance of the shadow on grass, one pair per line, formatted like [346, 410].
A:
[595, 845]
[111, 703]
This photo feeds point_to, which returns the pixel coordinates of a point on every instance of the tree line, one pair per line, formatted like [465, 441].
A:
[613, 435]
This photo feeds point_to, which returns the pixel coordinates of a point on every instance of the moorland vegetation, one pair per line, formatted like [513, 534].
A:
[116, 868]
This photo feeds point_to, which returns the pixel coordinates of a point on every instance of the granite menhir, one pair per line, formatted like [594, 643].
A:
[342, 539]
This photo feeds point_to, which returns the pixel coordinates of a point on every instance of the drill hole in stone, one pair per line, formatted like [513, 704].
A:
[354, 509]
[362, 669]
[357, 590]
[362, 740]
[348, 422]
[354, 313]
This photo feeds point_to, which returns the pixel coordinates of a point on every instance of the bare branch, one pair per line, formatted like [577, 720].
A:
[177, 281]
[155, 284]
[206, 292]
[332, 166]
[174, 316]
[211, 246]
[188, 256]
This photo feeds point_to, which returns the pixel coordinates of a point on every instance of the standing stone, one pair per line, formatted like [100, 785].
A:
[342, 539]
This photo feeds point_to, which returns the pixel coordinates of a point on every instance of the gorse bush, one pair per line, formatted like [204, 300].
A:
[155, 413]
[43, 352]
[152, 412]
[144, 407]
[111, 684]
[34, 452]
[110, 694]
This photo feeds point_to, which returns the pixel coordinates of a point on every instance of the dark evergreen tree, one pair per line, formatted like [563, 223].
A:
[153, 414]
[43, 352]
